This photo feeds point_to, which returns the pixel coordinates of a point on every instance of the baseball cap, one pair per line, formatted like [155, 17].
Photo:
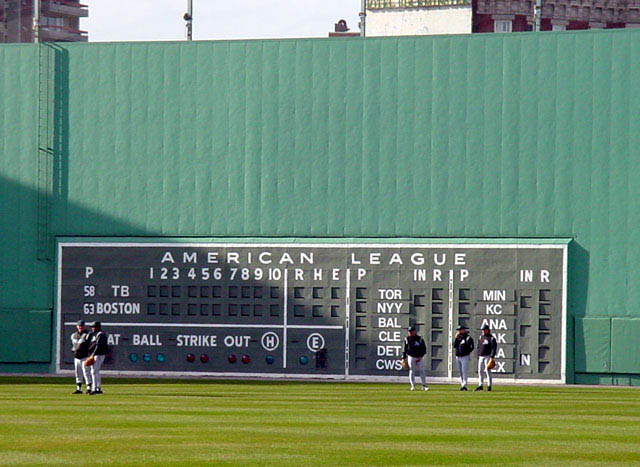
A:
[96, 324]
[485, 328]
[411, 328]
[461, 327]
[80, 322]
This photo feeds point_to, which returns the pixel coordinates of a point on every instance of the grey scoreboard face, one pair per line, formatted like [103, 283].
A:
[313, 309]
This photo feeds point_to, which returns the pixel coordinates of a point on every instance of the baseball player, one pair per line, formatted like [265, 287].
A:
[463, 346]
[98, 349]
[80, 348]
[414, 349]
[487, 347]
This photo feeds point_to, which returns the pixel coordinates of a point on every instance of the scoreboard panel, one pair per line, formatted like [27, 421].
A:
[334, 310]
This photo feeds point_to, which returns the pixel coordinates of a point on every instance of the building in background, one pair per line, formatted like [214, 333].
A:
[557, 15]
[418, 17]
[59, 21]
[424, 17]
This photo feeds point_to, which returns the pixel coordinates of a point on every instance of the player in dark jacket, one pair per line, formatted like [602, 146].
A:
[98, 349]
[80, 348]
[463, 345]
[414, 350]
[487, 348]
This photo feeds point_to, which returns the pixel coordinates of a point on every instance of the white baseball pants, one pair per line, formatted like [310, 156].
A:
[81, 371]
[483, 370]
[95, 373]
[416, 365]
[463, 368]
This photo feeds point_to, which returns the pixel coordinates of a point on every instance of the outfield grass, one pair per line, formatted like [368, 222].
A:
[296, 423]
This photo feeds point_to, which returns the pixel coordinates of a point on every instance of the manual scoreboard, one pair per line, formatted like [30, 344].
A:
[336, 310]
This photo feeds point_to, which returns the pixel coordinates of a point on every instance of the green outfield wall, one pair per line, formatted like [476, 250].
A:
[484, 136]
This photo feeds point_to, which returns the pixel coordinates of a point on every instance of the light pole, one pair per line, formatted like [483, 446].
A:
[188, 17]
[537, 15]
[36, 21]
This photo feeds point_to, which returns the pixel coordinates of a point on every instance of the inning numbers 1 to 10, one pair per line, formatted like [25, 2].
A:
[216, 274]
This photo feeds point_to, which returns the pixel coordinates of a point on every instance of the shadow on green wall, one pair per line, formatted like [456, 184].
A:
[61, 125]
[578, 288]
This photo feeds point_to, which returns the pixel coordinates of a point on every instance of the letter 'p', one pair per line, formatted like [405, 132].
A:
[88, 271]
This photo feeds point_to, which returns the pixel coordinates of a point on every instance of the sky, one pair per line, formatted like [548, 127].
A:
[161, 20]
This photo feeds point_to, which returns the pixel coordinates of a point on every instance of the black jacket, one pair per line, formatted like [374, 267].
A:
[463, 345]
[414, 346]
[98, 345]
[487, 346]
[80, 341]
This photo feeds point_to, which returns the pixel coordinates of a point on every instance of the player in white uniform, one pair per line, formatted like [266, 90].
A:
[463, 346]
[98, 349]
[487, 348]
[80, 347]
[414, 350]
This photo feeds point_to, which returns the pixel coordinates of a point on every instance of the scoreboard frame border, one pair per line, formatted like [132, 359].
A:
[561, 243]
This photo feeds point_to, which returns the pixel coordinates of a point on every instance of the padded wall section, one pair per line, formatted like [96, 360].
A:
[24, 282]
[625, 338]
[593, 345]
[25, 336]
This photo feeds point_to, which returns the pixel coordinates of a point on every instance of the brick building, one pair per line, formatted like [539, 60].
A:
[59, 21]
[422, 17]
[557, 15]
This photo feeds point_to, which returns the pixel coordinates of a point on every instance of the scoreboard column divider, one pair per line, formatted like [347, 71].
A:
[347, 320]
[284, 327]
[450, 346]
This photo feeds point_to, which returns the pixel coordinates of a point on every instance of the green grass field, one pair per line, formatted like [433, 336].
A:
[297, 423]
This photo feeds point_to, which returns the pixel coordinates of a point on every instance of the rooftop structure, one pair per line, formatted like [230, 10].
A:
[59, 21]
